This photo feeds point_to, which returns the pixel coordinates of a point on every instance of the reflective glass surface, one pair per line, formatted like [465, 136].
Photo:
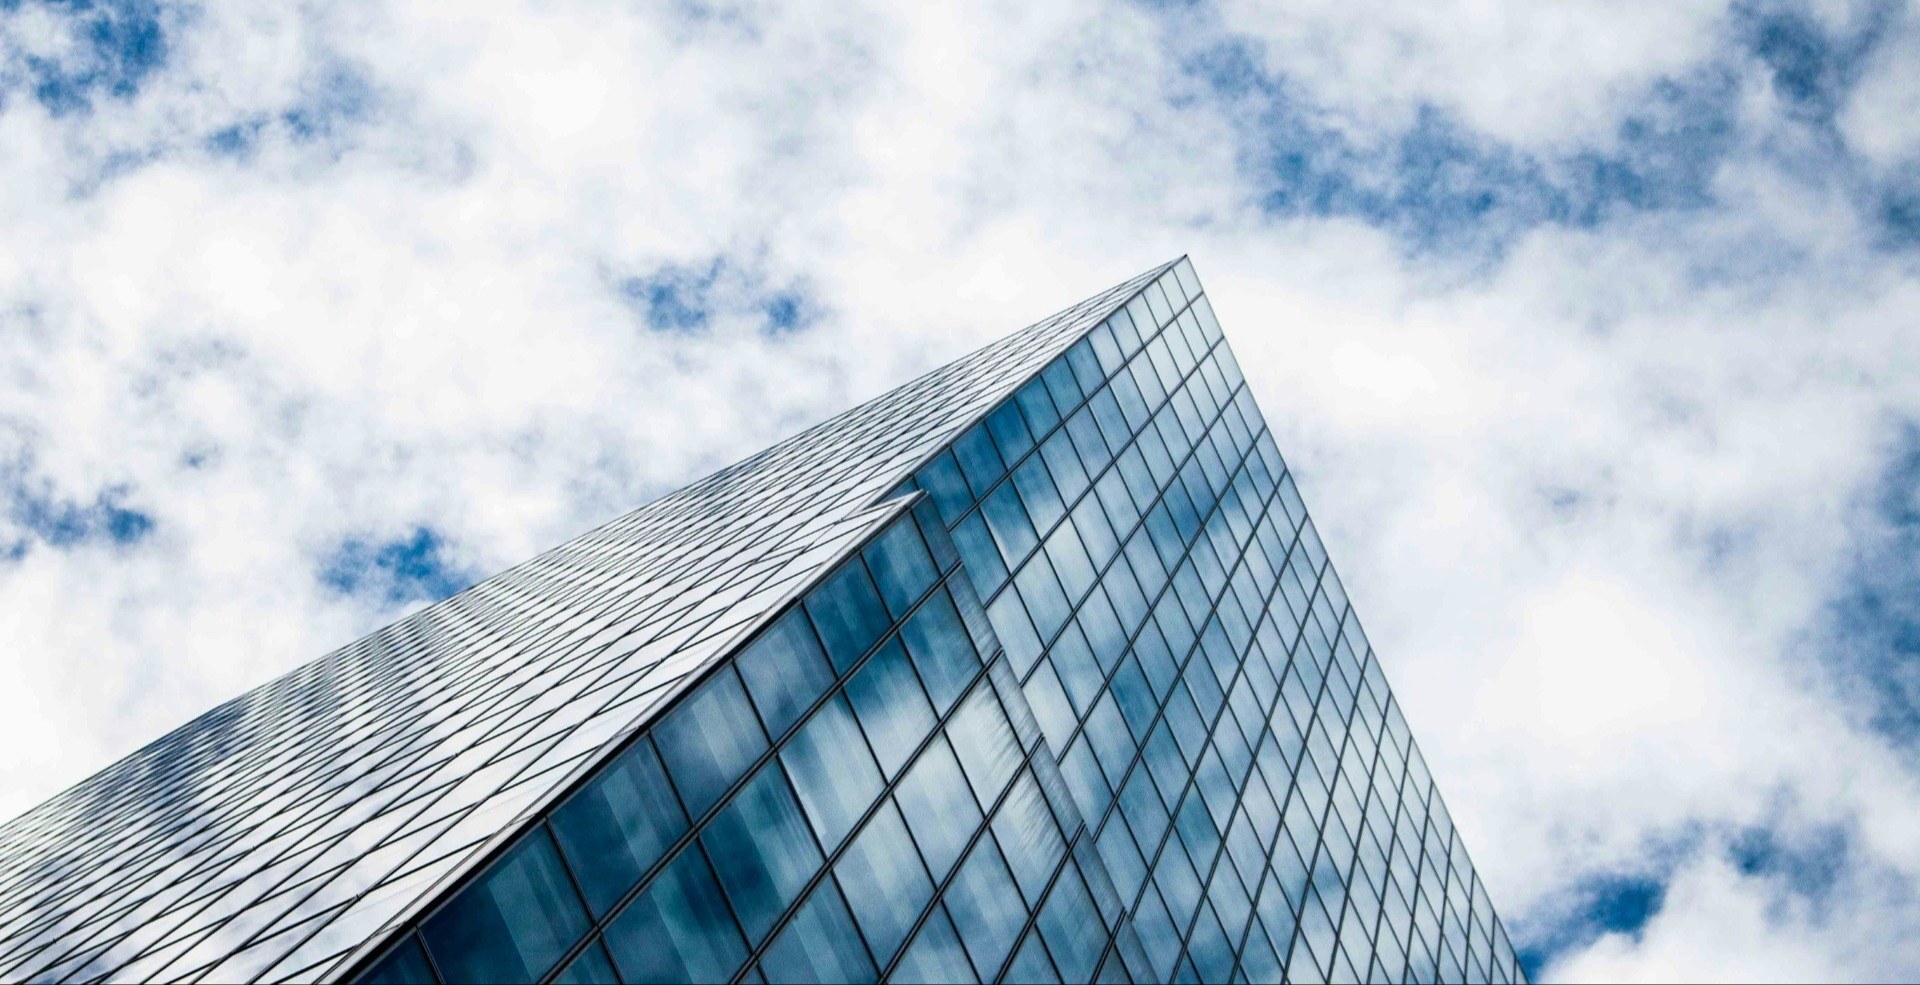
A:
[1094, 707]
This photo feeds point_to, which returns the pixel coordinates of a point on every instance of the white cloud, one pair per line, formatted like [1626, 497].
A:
[1524, 73]
[1590, 496]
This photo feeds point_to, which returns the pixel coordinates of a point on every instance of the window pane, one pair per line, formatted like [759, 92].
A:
[404, 965]
[762, 850]
[1007, 520]
[891, 706]
[1072, 928]
[1028, 837]
[979, 460]
[885, 882]
[1010, 432]
[983, 739]
[985, 907]
[679, 929]
[1032, 964]
[847, 612]
[939, 810]
[819, 945]
[934, 956]
[618, 825]
[592, 967]
[709, 741]
[514, 922]
[785, 670]
[941, 650]
[942, 481]
[832, 771]
[901, 566]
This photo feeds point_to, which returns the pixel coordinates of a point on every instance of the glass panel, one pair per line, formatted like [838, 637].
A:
[847, 611]
[939, 810]
[709, 741]
[979, 460]
[514, 922]
[592, 967]
[678, 929]
[891, 706]
[785, 671]
[983, 739]
[819, 945]
[1032, 964]
[985, 907]
[941, 650]
[762, 850]
[901, 566]
[832, 771]
[618, 825]
[885, 881]
[1072, 928]
[404, 965]
[935, 956]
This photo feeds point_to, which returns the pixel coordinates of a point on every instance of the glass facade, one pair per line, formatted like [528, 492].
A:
[858, 794]
[1033, 669]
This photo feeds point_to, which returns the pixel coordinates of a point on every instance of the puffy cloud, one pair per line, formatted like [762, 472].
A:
[1588, 336]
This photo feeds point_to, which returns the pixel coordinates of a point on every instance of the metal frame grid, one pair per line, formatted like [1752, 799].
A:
[1192, 770]
[983, 873]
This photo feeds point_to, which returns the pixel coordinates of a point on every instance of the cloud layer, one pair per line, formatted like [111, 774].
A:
[1591, 338]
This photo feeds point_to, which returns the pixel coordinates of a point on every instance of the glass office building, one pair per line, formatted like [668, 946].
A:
[1031, 670]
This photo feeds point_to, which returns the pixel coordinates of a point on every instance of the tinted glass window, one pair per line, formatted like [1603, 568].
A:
[819, 945]
[618, 825]
[678, 929]
[512, 924]
[886, 885]
[709, 741]
[762, 850]
[832, 771]
[785, 671]
[847, 611]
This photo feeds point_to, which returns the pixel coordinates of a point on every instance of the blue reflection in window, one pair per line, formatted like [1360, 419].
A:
[1009, 523]
[941, 650]
[514, 922]
[847, 611]
[762, 850]
[678, 929]
[1010, 432]
[1072, 928]
[819, 945]
[985, 906]
[939, 810]
[618, 825]
[832, 771]
[901, 566]
[890, 704]
[592, 967]
[785, 671]
[979, 460]
[885, 882]
[404, 965]
[935, 955]
[709, 741]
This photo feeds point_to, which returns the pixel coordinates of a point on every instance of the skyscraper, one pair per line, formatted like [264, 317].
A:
[1033, 669]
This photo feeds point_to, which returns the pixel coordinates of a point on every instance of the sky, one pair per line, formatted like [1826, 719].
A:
[1589, 334]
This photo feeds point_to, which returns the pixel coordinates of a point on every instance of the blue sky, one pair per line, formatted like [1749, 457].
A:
[1590, 337]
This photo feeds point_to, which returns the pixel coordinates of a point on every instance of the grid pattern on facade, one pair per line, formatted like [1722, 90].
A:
[1093, 708]
[859, 794]
[1187, 649]
[272, 837]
